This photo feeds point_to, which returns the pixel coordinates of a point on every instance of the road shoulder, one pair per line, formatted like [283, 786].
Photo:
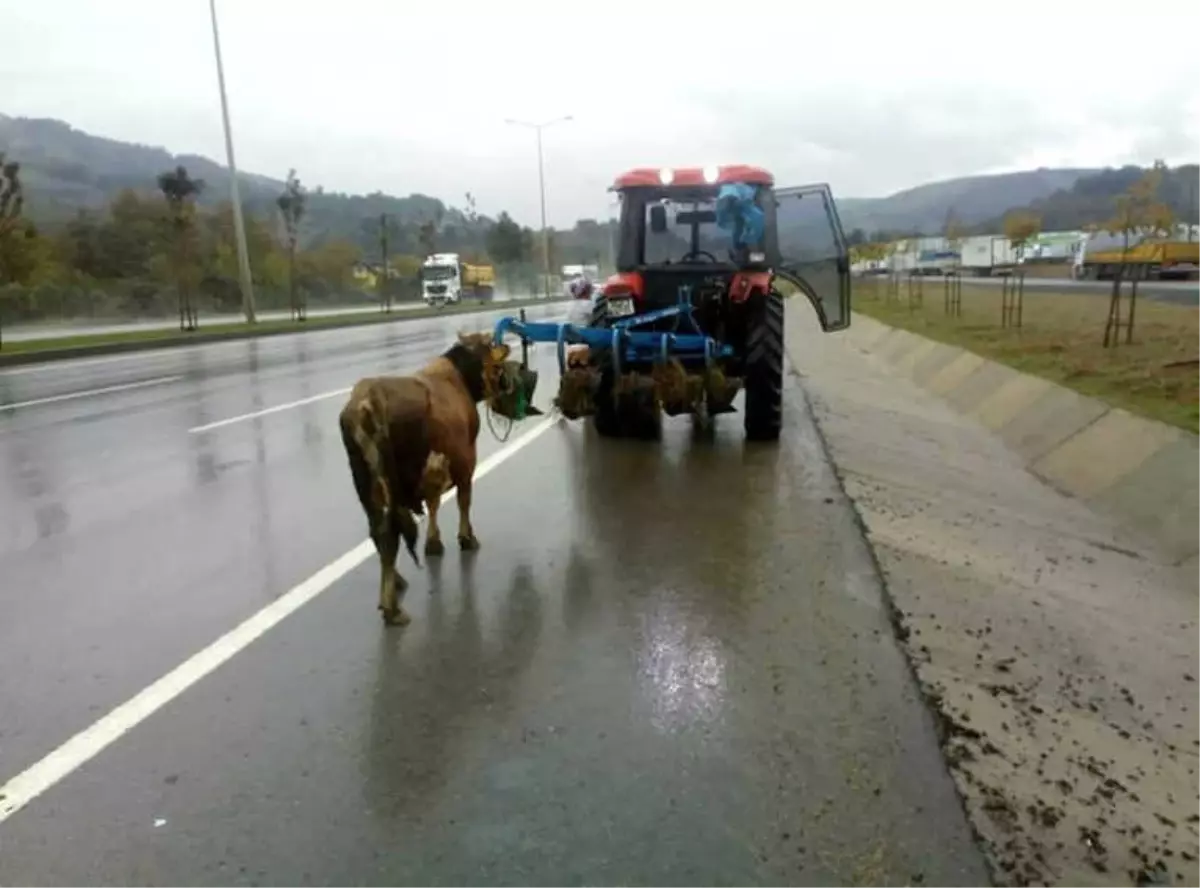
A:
[1060, 660]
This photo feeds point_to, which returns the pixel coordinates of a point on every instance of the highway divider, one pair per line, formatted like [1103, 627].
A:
[91, 345]
[1143, 472]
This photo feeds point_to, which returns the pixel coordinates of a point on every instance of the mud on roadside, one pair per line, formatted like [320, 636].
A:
[1059, 661]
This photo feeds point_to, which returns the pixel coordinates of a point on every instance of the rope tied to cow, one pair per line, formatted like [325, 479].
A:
[489, 416]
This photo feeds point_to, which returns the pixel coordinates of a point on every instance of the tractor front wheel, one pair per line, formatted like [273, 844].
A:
[764, 370]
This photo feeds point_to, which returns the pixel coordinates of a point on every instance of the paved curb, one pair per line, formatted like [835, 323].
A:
[1143, 472]
[176, 340]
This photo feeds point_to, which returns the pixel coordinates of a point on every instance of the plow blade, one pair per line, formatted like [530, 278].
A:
[627, 346]
[577, 391]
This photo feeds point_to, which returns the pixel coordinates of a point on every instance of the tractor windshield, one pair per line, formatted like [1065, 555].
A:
[691, 233]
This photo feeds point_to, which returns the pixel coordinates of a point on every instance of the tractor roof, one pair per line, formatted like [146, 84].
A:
[667, 177]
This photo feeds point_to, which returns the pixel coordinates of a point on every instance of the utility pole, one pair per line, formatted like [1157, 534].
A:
[385, 290]
[538, 127]
[239, 224]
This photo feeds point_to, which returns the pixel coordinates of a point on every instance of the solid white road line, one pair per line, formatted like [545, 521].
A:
[90, 742]
[207, 427]
[72, 363]
[87, 393]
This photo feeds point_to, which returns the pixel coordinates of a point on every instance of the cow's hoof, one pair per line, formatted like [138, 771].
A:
[433, 548]
[398, 617]
[468, 544]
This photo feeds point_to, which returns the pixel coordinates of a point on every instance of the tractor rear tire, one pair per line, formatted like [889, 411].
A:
[764, 371]
[606, 419]
[641, 416]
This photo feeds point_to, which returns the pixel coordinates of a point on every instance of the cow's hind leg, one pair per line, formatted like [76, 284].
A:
[433, 534]
[460, 473]
[391, 584]
[385, 531]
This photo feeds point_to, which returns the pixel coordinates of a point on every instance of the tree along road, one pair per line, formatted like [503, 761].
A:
[669, 663]
[1179, 292]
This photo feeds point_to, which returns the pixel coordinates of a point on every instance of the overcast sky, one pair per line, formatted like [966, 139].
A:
[362, 95]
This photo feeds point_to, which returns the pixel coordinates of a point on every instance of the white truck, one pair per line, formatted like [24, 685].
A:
[983, 254]
[445, 279]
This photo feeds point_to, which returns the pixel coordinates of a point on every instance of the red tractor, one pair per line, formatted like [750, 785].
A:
[693, 314]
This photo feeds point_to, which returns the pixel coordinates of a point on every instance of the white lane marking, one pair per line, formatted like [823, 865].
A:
[268, 410]
[208, 427]
[72, 363]
[90, 742]
[88, 393]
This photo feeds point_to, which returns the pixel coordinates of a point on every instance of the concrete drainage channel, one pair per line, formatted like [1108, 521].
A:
[1143, 473]
[1039, 552]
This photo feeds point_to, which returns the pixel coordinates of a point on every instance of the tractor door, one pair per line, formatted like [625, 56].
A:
[812, 251]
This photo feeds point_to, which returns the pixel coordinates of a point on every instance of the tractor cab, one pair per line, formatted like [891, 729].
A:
[723, 233]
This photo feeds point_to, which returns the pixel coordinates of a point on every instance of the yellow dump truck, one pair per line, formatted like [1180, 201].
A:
[445, 278]
[479, 280]
[1101, 259]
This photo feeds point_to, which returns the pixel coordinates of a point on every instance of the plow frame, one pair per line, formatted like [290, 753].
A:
[626, 345]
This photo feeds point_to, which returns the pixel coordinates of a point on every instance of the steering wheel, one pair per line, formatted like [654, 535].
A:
[691, 256]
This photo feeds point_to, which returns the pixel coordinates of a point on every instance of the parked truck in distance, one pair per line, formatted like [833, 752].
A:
[982, 255]
[1154, 259]
[446, 278]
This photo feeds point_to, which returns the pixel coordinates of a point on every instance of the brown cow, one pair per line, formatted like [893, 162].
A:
[409, 439]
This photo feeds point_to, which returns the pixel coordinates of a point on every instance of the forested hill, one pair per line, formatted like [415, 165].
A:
[65, 169]
[973, 200]
[1090, 200]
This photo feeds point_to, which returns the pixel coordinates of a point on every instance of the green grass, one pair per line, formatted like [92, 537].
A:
[1061, 339]
[167, 337]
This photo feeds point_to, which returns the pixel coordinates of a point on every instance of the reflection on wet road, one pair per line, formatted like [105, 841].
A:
[121, 528]
[668, 664]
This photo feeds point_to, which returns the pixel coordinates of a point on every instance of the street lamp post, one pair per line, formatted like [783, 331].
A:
[239, 225]
[538, 127]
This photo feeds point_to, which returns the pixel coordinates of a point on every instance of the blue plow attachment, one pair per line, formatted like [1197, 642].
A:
[628, 346]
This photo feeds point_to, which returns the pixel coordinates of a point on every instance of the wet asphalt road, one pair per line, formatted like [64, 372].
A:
[668, 664]
[78, 327]
[86, 328]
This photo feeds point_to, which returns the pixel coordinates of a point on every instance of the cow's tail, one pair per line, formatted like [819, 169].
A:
[396, 449]
[409, 449]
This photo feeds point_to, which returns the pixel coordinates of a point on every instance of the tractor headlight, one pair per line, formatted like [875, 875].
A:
[711, 174]
[666, 176]
[758, 257]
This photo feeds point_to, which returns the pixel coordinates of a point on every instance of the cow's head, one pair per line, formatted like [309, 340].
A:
[485, 348]
[507, 386]
[479, 360]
